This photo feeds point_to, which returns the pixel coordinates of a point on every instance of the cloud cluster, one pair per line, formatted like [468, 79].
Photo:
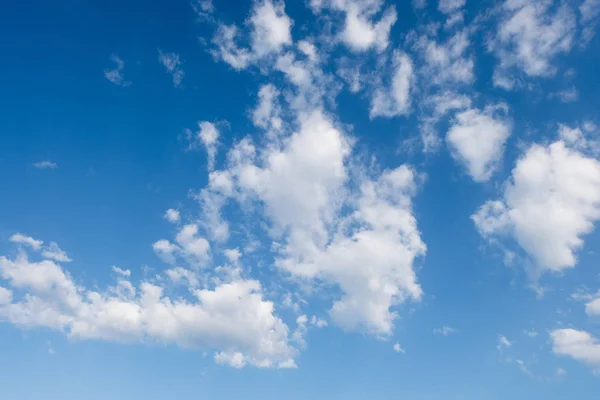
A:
[233, 317]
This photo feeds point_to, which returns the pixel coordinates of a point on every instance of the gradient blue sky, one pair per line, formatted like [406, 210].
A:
[311, 199]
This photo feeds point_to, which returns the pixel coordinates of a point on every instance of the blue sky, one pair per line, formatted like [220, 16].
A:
[324, 198]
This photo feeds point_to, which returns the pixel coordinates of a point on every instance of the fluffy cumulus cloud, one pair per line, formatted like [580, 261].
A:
[477, 137]
[368, 253]
[551, 201]
[579, 345]
[172, 215]
[529, 38]
[269, 33]
[270, 27]
[232, 317]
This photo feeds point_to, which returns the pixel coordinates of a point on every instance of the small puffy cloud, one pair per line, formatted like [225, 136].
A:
[165, 250]
[180, 275]
[592, 308]
[444, 331]
[53, 252]
[172, 215]
[235, 360]
[395, 99]
[116, 75]
[125, 273]
[450, 6]
[233, 255]
[46, 164]
[532, 333]
[503, 343]
[476, 139]
[173, 64]
[448, 63]
[318, 322]
[551, 201]
[361, 31]
[27, 241]
[309, 50]
[529, 37]
[398, 349]
[227, 49]
[579, 345]
[271, 27]
[195, 248]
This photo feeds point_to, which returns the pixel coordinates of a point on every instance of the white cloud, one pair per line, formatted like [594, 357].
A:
[398, 348]
[53, 252]
[579, 345]
[567, 96]
[589, 12]
[125, 273]
[165, 250]
[450, 6]
[233, 255]
[318, 322]
[45, 165]
[532, 333]
[116, 75]
[503, 343]
[584, 138]
[395, 100]
[368, 253]
[361, 32]
[26, 240]
[172, 63]
[227, 48]
[208, 137]
[446, 63]
[592, 308]
[172, 215]
[5, 296]
[476, 139]
[232, 318]
[419, 4]
[309, 50]
[444, 331]
[551, 201]
[267, 113]
[529, 37]
[196, 249]
[270, 27]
